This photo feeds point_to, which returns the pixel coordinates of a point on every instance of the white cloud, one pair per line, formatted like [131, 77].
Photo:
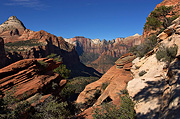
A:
[36, 4]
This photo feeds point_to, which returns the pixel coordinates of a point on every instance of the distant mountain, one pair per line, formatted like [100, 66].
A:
[22, 43]
[101, 55]
[11, 29]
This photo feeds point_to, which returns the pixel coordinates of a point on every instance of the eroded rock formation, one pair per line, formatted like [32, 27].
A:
[156, 92]
[29, 76]
[110, 84]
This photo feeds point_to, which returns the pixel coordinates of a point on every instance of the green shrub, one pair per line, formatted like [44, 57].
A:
[124, 91]
[12, 108]
[42, 63]
[22, 45]
[54, 85]
[67, 91]
[55, 57]
[58, 59]
[79, 83]
[158, 18]
[104, 85]
[152, 23]
[110, 111]
[52, 55]
[63, 71]
[94, 98]
[52, 109]
[142, 73]
[166, 53]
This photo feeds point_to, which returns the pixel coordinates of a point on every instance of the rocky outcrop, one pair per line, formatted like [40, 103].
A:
[109, 86]
[11, 29]
[155, 87]
[29, 76]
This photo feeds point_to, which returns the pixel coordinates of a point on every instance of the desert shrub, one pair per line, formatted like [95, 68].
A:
[67, 91]
[54, 85]
[55, 57]
[104, 85]
[51, 108]
[22, 45]
[145, 47]
[52, 55]
[166, 53]
[169, 39]
[153, 23]
[42, 63]
[158, 18]
[79, 83]
[31, 42]
[12, 108]
[124, 91]
[20, 109]
[93, 98]
[142, 73]
[58, 59]
[63, 71]
[110, 111]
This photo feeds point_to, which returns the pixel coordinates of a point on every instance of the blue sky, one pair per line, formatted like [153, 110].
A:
[104, 19]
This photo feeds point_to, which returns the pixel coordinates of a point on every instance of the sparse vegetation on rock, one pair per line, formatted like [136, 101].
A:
[142, 73]
[43, 63]
[158, 18]
[145, 47]
[11, 107]
[110, 111]
[104, 85]
[52, 109]
[22, 45]
[63, 71]
[166, 53]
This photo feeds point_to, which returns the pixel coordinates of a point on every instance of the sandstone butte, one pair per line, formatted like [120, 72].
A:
[27, 78]
[114, 48]
[156, 93]
[116, 78]
[176, 9]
